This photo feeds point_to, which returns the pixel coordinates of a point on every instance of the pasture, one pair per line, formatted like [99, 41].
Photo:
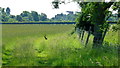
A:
[25, 45]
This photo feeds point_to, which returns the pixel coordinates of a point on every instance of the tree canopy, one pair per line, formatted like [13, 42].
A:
[34, 16]
[94, 14]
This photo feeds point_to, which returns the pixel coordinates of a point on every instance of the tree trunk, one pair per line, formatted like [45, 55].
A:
[97, 41]
[99, 20]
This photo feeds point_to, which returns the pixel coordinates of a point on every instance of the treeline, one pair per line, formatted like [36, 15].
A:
[33, 16]
[24, 16]
[65, 17]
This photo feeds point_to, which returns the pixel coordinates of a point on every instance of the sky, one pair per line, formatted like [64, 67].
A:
[41, 6]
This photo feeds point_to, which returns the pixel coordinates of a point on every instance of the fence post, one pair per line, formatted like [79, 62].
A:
[104, 34]
[80, 33]
[83, 31]
[89, 32]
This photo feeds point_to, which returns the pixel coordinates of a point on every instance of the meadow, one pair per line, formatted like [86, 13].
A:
[25, 45]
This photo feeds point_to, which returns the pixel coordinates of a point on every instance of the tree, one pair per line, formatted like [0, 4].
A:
[8, 11]
[19, 18]
[12, 20]
[30, 17]
[116, 6]
[4, 17]
[12, 16]
[2, 10]
[65, 17]
[95, 14]
[43, 17]
[25, 14]
[35, 16]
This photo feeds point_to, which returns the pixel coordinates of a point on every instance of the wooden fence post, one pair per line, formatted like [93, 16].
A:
[80, 33]
[83, 31]
[104, 34]
[89, 32]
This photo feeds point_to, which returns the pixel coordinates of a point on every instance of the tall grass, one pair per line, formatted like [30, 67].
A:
[61, 49]
[70, 53]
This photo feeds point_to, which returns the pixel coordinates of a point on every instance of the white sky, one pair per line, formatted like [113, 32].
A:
[41, 6]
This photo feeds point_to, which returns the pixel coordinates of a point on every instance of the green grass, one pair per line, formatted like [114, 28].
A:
[24, 45]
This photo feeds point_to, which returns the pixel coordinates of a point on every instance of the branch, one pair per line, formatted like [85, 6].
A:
[109, 16]
[108, 5]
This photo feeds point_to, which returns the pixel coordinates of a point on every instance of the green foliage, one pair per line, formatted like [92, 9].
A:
[116, 6]
[95, 14]
[8, 11]
[43, 17]
[35, 16]
[12, 20]
[25, 14]
[12, 16]
[19, 18]
[115, 28]
[64, 17]
[5, 18]
[2, 10]
[56, 4]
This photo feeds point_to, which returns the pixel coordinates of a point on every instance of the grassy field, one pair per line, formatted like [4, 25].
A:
[24, 45]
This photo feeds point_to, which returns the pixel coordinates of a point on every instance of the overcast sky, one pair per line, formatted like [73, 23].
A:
[41, 6]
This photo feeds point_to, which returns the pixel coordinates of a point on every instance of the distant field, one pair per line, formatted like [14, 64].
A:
[33, 29]
[25, 45]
